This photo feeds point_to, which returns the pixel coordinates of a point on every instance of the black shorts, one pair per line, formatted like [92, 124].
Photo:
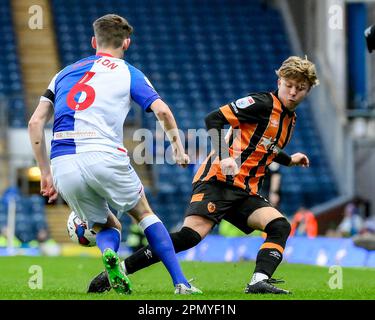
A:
[217, 200]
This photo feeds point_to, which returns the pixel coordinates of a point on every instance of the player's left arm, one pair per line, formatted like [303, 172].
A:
[215, 122]
[37, 123]
[296, 159]
[299, 159]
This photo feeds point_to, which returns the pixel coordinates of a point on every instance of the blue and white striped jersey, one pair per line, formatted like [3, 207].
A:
[91, 100]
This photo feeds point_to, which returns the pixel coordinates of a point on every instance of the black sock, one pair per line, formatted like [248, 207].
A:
[182, 240]
[140, 259]
[267, 261]
[271, 252]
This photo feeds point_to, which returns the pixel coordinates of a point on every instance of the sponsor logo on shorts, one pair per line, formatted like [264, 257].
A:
[211, 207]
[197, 197]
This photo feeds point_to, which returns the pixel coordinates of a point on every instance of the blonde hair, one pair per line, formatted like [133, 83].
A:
[111, 30]
[299, 69]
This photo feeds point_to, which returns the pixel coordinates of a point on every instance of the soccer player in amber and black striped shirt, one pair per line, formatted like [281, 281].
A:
[226, 185]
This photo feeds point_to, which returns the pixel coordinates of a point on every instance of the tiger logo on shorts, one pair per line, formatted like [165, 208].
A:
[211, 207]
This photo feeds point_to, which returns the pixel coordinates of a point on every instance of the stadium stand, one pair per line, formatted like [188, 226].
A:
[197, 65]
[36, 48]
[30, 214]
[10, 74]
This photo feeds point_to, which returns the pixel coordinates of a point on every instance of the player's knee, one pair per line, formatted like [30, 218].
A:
[118, 226]
[185, 239]
[115, 224]
[278, 231]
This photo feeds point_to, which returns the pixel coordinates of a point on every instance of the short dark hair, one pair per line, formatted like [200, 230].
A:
[111, 30]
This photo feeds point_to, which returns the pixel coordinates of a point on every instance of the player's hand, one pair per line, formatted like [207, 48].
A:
[299, 159]
[229, 167]
[182, 159]
[47, 189]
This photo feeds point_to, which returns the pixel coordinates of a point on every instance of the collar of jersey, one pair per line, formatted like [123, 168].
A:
[104, 54]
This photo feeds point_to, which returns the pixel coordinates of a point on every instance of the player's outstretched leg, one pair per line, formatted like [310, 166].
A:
[108, 241]
[182, 240]
[269, 257]
[161, 243]
[100, 283]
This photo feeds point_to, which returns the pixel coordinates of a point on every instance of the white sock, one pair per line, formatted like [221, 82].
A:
[124, 267]
[257, 276]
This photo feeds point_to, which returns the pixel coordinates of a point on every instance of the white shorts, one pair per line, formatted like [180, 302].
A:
[90, 181]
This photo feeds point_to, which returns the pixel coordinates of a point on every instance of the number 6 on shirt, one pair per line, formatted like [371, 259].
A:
[81, 86]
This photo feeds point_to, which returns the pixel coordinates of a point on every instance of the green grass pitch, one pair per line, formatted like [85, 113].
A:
[67, 278]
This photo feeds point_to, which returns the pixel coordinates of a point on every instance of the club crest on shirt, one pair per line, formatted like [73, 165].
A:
[245, 102]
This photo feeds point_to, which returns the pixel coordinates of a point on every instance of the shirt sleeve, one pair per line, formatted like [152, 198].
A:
[249, 109]
[141, 89]
[49, 94]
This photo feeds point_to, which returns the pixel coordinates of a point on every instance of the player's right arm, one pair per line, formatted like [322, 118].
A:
[215, 122]
[39, 119]
[250, 109]
[167, 121]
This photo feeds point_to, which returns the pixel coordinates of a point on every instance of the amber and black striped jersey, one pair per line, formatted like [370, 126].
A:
[261, 128]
